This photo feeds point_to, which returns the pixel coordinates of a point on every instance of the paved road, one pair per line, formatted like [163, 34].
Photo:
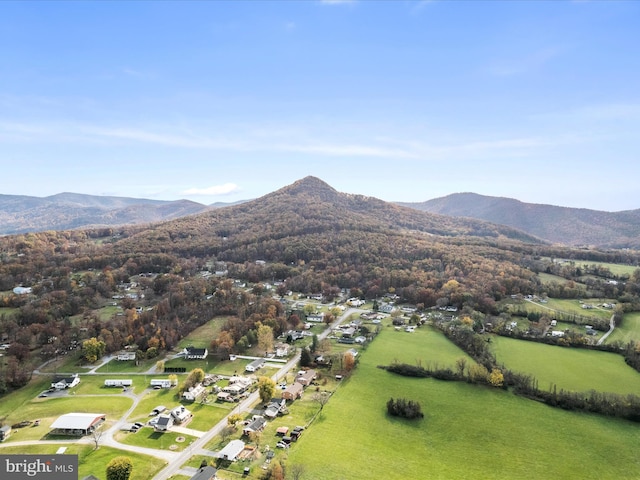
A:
[612, 326]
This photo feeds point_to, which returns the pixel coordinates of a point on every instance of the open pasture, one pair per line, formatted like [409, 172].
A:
[628, 331]
[571, 369]
[468, 431]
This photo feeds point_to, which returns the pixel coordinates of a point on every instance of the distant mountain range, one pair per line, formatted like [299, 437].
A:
[522, 221]
[67, 211]
[564, 225]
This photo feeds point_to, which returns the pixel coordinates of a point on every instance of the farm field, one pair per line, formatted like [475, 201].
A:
[568, 368]
[93, 462]
[468, 431]
[549, 278]
[628, 331]
[615, 268]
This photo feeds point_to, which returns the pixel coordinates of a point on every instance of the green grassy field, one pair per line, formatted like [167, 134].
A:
[148, 438]
[124, 366]
[614, 268]
[468, 431]
[48, 409]
[201, 337]
[546, 278]
[93, 462]
[628, 331]
[568, 368]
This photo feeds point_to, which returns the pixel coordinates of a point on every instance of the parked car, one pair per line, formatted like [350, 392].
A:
[282, 445]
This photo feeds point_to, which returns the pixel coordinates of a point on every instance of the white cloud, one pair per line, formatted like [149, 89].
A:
[224, 189]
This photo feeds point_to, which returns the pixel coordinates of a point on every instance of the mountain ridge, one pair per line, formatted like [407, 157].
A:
[565, 225]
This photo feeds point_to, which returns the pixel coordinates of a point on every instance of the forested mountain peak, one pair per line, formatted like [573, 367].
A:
[302, 212]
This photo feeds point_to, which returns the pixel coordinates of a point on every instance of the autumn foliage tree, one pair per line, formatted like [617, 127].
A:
[119, 468]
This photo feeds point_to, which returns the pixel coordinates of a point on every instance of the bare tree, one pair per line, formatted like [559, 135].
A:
[295, 471]
[321, 398]
[96, 436]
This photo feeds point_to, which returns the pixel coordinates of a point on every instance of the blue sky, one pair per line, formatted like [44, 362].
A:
[400, 100]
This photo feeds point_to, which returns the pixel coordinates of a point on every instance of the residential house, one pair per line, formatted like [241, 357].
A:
[118, 382]
[164, 423]
[62, 383]
[192, 353]
[293, 391]
[194, 393]
[255, 365]
[274, 407]
[205, 473]
[124, 356]
[180, 414]
[257, 424]
[282, 349]
[316, 317]
[231, 450]
[161, 382]
[305, 378]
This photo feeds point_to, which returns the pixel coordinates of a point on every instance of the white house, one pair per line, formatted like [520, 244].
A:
[180, 414]
[231, 450]
[124, 356]
[255, 365]
[192, 353]
[164, 423]
[65, 382]
[194, 393]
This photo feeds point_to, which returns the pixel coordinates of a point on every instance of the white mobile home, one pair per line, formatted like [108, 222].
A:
[161, 382]
[120, 382]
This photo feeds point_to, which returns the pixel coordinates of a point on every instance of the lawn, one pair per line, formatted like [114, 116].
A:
[572, 369]
[148, 438]
[628, 331]
[93, 462]
[124, 366]
[468, 431]
[94, 384]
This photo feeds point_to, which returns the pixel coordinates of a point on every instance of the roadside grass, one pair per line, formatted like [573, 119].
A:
[573, 369]
[94, 462]
[11, 402]
[69, 363]
[628, 331]
[47, 410]
[94, 384]
[127, 366]
[468, 431]
[148, 438]
[151, 399]
[205, 416]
